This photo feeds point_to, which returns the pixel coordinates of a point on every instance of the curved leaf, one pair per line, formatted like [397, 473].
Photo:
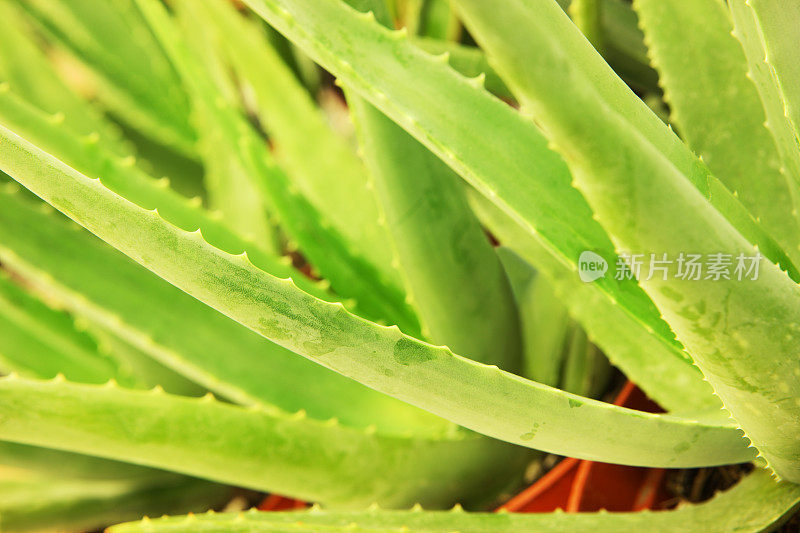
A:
[717, 109]
[350, 274]
[383, 358]
[756, 504]
[272, 451]
[741, 333]
[40, 342]
[37, 502]
[452, 275]
[134, 79]
[674, 383]
[321, 163]
[493, 147]
[748, 31]
[28, 70]
[94, 281]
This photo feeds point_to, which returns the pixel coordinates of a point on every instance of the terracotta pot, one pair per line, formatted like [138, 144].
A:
[273, 502]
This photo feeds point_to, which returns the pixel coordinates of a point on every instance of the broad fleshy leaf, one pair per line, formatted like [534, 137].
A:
[134, 78]
[672, 382]
[38, 502]
[747, 349]
[322, 165]
[717, 109]
[493, 147]
[452, 275]
[383, 358]
[95, 282]
[756, 504]
[264, 450]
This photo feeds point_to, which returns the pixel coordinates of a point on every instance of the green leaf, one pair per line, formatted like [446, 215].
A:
[493, 147]
[350, 274]
[747, 30]
[623, 46]
[120, 175]
[25, 67]
[137, 368]
[644, 357]
[37, 341]
[756, 504]
[38, 502]
[746, 348]
[226, 358]
[779, 25]
[323, 166]
[272, 451]
[217, 120]
[383, 358]
[543, 318]
[452, 275]
[134, 78]
[587, 15]
[469, 61]
[717, 109]
[585, 370]
[41, 342]
[437, 20]
[94, 281]
[67, 465]
[513, 52]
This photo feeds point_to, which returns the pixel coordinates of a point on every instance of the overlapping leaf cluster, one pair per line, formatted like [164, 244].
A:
[331, 281]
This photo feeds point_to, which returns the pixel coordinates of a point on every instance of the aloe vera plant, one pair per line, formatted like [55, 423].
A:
[327, 318]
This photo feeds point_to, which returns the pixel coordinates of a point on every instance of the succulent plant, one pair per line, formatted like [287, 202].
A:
[310, 305]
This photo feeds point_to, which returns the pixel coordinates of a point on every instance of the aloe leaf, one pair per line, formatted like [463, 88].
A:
[756, 504]
[585, 369]
[779, 30]
[66, 464]
[543, 317]
[717, 109]
[229, 188]
[37, 341]
[349, 273]
[649, 362]
[433, 378]
[746, 349]
[587, 15]
[272, 451]
[408, 14]
[38, 502]
[437, 20]
[493, 147]
[41, 342]
[25, 67]
[512, 53]
[330, 175]
[748, 31]
[623, 46]
[469, 61]
[137, 368]
[86, 155]
[96, 282]
[134, 79]
[460, 291]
